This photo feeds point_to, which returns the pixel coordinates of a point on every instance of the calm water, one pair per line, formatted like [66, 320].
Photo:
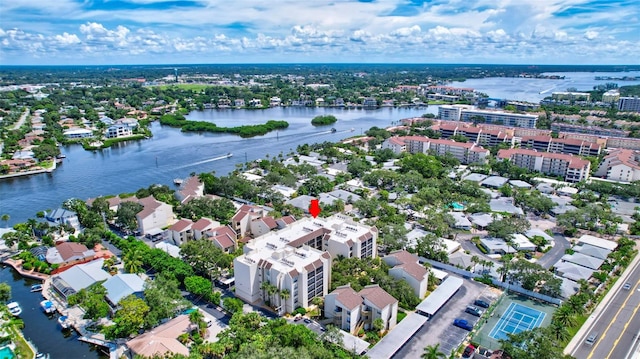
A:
[534, 90]
[42, 330]
[171, 153]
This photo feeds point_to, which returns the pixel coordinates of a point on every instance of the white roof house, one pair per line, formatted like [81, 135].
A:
[522, 243]
[496, 245]
[597, 242]
[122, 285]
[79, 277]
[573, 271]
[505, 205]
[583, 260]
[461, 220]
[592, 251]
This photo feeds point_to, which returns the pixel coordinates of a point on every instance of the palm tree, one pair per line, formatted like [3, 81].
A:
[197, 318]
[559, 332]
[564, 316]
[133, 261]
[432, 352]
[284, 295]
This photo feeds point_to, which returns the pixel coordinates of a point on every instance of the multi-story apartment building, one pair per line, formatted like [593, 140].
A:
[353, 310]
[620, 165]
[471, 114]
[297, 258]
[590, 130]
[560, 145]
[465, 152]
[572, 168]
[629, 104]
[475, 134]
[611, 96]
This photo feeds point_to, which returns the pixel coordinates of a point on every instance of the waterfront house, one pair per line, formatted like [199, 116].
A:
[190, 189]
[351, 310]
[79, 277]
[161, 340]
[69, 253]
[75, 133]
[60, 216]
[118, 130]
[240, 222]
[239, 103]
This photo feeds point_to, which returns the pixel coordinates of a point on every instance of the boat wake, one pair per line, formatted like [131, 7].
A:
[205, 161]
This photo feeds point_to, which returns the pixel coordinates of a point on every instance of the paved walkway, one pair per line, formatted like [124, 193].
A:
[17, 265]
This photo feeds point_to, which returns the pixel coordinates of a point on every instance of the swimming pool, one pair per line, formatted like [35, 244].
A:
[6, 353]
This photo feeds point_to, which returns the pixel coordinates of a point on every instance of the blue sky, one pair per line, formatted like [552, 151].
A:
[45, 32]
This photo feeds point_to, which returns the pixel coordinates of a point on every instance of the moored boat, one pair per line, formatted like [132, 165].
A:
[36, 288]
[62, 320]
[47, 306]
[14, 309]
[177, 181]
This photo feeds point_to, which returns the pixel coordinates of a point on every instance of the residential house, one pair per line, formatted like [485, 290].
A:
[201, 226]
[262, 225]
[180, 232]
[60, 216]
[74, 133]
[406, 266]
[352, 310]
[162, 340]
[239, 103]
[78, 277]
[621, 165]
[190, 189]
[122, 285]
[69, 253]
[154, 215]
[224, 237]
[118, 130]
[241, 220]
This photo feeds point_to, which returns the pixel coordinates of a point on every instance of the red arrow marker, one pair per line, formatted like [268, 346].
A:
[314, 208]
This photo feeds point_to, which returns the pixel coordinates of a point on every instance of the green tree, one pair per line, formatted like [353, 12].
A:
[233, 305]
[432, 352]
[133, 261]
[126, 215]
[164, 299]
[5, 292]
[199, 286]
[129, 319]
[205, 257]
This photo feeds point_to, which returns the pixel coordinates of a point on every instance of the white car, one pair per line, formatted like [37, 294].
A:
[626, 286]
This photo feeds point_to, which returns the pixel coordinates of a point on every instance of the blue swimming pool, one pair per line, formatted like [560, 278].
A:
[6, 353]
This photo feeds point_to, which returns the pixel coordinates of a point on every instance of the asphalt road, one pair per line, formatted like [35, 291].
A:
[617, 324]
[552, 256]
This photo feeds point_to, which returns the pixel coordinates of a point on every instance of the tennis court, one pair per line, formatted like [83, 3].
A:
[517, 318]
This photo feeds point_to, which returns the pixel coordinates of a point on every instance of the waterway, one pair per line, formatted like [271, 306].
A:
[170, 154]
[43, 330]
[534, 90]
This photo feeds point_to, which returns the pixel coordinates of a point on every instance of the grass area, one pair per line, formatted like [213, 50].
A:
[574, 329]
[192, 87]
[23, 350]
[401, 315]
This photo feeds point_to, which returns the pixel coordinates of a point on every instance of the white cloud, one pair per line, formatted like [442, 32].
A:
[590, 35]
[67, 39]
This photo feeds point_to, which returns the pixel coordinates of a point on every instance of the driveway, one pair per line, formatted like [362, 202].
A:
[561, 244]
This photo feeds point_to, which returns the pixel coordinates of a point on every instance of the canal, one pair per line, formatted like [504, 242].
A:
[43, 330]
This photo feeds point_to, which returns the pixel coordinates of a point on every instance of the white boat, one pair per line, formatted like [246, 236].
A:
[14, 308]
[177, 181]
[41, 355]
[36, 288]
[63, 322]
[47, 306]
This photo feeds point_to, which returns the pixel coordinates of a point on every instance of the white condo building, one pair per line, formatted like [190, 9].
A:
[469, 113]
[297, 260]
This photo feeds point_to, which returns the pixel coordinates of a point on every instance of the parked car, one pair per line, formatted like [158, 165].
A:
[468, 351]
[474, 310]
[481, 303]
[463, 323]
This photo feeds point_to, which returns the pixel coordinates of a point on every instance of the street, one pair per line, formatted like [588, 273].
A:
[617, 324]
[550, 258]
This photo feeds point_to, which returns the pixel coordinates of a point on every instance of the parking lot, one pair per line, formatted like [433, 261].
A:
[440, 329]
